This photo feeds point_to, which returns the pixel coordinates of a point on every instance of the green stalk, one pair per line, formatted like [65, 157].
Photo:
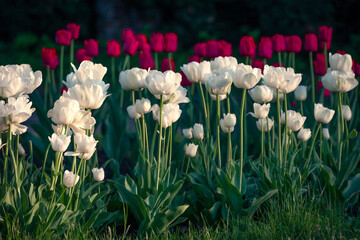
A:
[61, 64]
[71, 52]
[46, 87]
[229, 150]
[293, 61]
[279, 127]
[279, 58]
[262, 142]
[159, 151]
[326, 57]
[170, 153]
[170, 57]
[73, 187]
[268, 132]
[312, 145]
[113, 72]
[156, 61]
[8, 143]
[218, 129]
[242, 135]
[286, 128]
[301, 108]
[320, 143]
[205, 111]
[127, 59]
[312, 77]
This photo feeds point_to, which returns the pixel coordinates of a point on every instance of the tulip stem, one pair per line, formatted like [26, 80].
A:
[268, 132]
[301, 108]
[205, 111]
[156, 61]
[218, 128]
[340, 121]
[312, 145]
[61, 64]
[71, 52]
[279, 58]
[262, 143]
[279, 126]
[113, 72]
[160, 139]
[285, 130]
[242, 135]
[312, 76]
[8, 143]
[325, 53]
[127, 59]
[169, 58]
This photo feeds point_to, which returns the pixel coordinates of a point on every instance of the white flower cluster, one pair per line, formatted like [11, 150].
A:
[197, 132]
[16, 82]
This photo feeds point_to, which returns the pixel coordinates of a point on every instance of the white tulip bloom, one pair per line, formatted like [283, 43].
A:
[60, 130]
[326, 133]
[59, 143]
[280, 78]
[291, 81]
[99, 174]
[179, 96]
[260, 111]
[301, 93]
[281, 96]
[346, 111]
[70, 178]
[195, 71]
[85, 146]
[133, 79]
[294, 120]
[218, 83]
[132, 112]
[165, 83]
[191, 150]
[261, 94]
[170, 113]
[88, 73]
[188, 133]
[228, 64]
[323, 114]
[198, 131]
[304, 134]
[342, 63]
[262, 124]
[336, 81]
[142, 106]
[228, 122]
[246, 77]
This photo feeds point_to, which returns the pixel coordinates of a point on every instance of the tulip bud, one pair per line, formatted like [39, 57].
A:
[293, 44]
[260, 111]
[325, 36]
[70, 178]
[63, 37]
[319, 64]
[157, 42]
[132, 112]
[99, 174]
[21, 150]
[74, 29]
[188, 133]
[194, 58]
[91, 47]
[311, 42]
[142, 106]
[200, 49]
[278, 43]
[126, 34]
[198, 131]
[300, 93]
[171, 42]
[165, 65]
[143, 44]
[184, 80]
[81, 56]
[191, 150]
[265, 48]
[357, 69]
[346, 111]
[261, 94]
[327, 93]
[276, 64]
[247, 46]
[130, 46]
[342, 63]
[146, 60]
[59, 143]
[304, 134]
[323, 114]
[257, 63]
[326, 133]
[212, 49]
[225, 48]
[49, 58]
[262, 124]
[113, 48]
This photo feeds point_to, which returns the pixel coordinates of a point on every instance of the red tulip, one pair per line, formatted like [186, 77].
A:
[342, 52]
[165, 65]
[278, 43]
[327, 93]
[265, 48]
[293, 44]
[293, 103]
[194, 58]
[200, 49]
[225, 48]
[113, 48]
[325, 36]
[157, 42]
[146, 61]
[184, 80]
[130, 46]
[212, 49]
[91, 47]
[49, 58]
[319, 86]
[126, 34]
[319, 64]
[74, 29]
[146, 48]
[171, 42]
[311, 42]
[80, 55]
[257, 63]
[357, 69]
[63, 89]
[247, 46]
[142, 39]
[277, 64]
[63, 37]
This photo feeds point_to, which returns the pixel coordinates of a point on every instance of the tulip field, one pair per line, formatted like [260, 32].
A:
[233, 145]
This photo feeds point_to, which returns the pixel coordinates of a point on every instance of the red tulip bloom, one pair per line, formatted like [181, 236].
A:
[247, 46]
[130, 46]
[113, 48]
[265, 48]
[327, 93]
[63, 37]
[142, 39]
[278, 43]
[49, 58]
[325, 36]
[293, 44]
[277, 64]
[225, 48]
[194, 58]
[357, 69]
[212, 49]
[157, 42]
[63, 89]
[80, 55]
[311, 42]
[74, 29]
[200, 49]
[184, 80]
[165, 65]
[319, 64]
[146, 61]
[126, 34]
[319, 86]
[293, 103]
[342, 52]
[257, 63]
[171, 42]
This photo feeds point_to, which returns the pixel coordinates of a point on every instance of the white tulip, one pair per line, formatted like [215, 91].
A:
[326, 133]
[273, 76]
[294, 120]
[132, 112]
[227, 64]
[21, 150]
[191, 150]
[142, 106]
[70, 178]
[301, 93]
[133, 79]
[323, 114]
[342, 63]
[346, 111]
[165, 83]
[188, 133]
[198, 131]
[179, 96]
[89, 96]
[218, 83]
[260, 111]
[221, 96]
[246, 77]
[85, 146]
[99, 174]
[170, 113]
[336, 81]
[281, 96]
[60, 130]
[228, 122]
[261, 94]
[59, 143]
[291, 81]
[195, 71]
[262, 124]
[88, 73]
[304, 134]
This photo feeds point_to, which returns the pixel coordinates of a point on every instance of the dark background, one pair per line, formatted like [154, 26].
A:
[27, 26]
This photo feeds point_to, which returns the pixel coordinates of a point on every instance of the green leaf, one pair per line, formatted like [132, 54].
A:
[163, 220]
[258, 201]
[352, 188]
[353, 134]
